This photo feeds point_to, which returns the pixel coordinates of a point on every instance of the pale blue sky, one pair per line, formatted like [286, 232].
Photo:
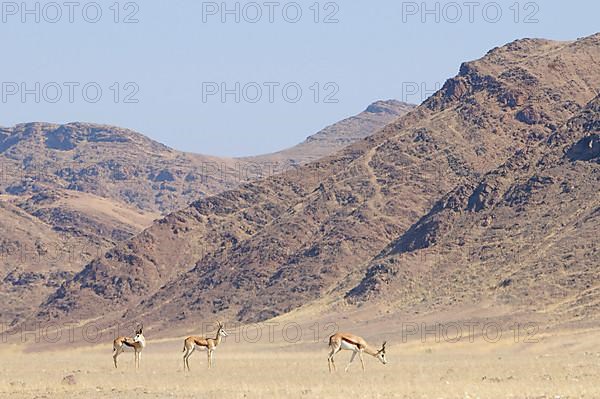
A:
[170, 53]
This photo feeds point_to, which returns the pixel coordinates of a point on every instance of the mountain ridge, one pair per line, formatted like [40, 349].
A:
[268, 247]
[92, 186]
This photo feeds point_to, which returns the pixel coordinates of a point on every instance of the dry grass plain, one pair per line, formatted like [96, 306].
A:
[556, 368]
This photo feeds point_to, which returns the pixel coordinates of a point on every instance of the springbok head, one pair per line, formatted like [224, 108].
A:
[139, 333]
[221, 331]
[381, 353]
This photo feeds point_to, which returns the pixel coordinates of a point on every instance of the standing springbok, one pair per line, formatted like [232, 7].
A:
[356, 344]
[138, 343]
[190, 343]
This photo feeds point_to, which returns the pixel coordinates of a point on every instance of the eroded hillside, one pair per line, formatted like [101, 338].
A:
[274, 245]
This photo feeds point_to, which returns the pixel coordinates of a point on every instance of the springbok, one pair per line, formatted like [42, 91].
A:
[356, 344]
[190, 343]
[138, 343]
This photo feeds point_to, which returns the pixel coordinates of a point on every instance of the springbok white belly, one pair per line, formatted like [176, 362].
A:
[348, 346]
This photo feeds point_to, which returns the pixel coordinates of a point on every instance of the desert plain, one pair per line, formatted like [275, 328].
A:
[556, 364]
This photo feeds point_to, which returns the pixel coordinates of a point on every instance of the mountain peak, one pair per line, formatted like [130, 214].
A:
[341, 134]
[392, 107]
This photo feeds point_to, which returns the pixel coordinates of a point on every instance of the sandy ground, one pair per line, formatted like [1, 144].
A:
[415, 370]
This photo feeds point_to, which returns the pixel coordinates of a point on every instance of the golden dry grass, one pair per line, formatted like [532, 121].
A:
[501, 370]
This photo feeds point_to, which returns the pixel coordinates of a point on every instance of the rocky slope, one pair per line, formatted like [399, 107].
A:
[523, 235]
[274, 245]
[339, 135]
[109, 162]
[73, 192]
[46, 238]
[125, 166]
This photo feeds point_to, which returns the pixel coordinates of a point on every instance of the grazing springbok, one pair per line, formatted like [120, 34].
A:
[190, 343]
[138, 342]
[356, 344]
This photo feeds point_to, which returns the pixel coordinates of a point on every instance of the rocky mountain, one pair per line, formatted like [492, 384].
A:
[274, 245]
[109, 162]
[339, 135]
[523, 235]
[47, 237]
[80, 189]
[125, 166]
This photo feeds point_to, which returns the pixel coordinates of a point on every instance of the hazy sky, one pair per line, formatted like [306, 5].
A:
[163, 72]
